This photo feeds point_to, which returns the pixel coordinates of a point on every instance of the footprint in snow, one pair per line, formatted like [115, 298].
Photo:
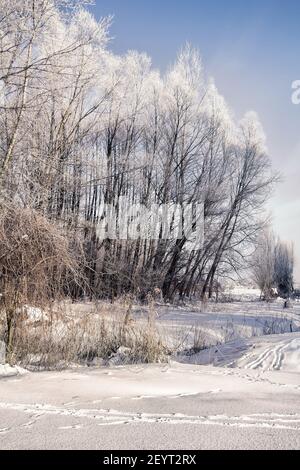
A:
[4, 430]
[66, 428]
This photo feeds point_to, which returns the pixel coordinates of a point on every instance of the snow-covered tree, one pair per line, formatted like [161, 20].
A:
[81, 128]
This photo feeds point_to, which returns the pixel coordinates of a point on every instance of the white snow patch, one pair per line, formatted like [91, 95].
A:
[34, 314]
[8, 371]
[276, 352]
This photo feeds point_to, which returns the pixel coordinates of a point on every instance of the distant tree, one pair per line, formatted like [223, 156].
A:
[263, 266]
[284, 269]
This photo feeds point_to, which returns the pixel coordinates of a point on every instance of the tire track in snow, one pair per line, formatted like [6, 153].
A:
[264, 359]
[278, 356]
[260, 359]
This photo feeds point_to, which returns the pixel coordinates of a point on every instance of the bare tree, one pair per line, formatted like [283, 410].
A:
[263, 263]
[82, 128]
[284, 269]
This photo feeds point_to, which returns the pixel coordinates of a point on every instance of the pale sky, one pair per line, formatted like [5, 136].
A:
[252, 51]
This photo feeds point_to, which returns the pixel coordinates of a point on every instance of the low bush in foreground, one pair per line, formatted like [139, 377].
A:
[106, 335]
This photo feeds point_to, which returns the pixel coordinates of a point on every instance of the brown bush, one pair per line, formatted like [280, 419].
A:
[87, 334]
[36, 264]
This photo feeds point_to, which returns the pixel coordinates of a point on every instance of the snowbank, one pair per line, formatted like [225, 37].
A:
[242, 294]
[7, 371]
[272, 353]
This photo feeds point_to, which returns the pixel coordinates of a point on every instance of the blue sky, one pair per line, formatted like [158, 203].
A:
[251, 48]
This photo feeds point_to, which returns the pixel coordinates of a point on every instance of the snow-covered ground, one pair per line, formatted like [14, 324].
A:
[243, 393]
[276, 352]
[172, 406]
[224, 322]
[7, 371]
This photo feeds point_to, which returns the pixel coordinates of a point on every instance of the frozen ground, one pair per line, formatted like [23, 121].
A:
[224, 322]
[156, 407]
[244, 394]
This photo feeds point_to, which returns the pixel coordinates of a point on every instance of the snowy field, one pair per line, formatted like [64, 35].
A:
[170, 406]
[245, 316]
[242, 392]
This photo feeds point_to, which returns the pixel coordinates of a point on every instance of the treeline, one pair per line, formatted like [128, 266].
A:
[81, 128]
[273, 266]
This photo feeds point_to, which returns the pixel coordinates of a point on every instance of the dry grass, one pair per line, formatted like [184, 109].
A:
[36, 265]
[200, 340]
[37, 268]
[106, 334]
